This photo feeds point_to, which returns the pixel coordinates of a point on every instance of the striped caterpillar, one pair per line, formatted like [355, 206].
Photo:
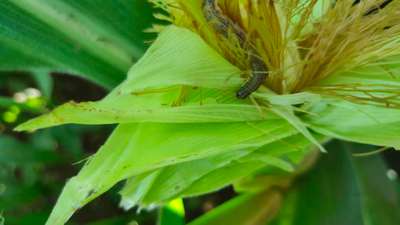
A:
[223, 25]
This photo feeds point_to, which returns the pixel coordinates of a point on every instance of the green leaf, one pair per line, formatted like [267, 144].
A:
[117, 220]
[168, 62]
[130, 152]
[356, 122]
[287, 112]
[361, 105]
[209, 174]
[165, 65]
[109, 112]
[285, 155]
[380, 199]
[376, 83]
[96, 41]
[14, 152]
[44, 81]
[383, 72]
[282, 105]
[246, 209]
[288, 99]
[6, 102]
[173, 213]
[27, 218]
[343, 190]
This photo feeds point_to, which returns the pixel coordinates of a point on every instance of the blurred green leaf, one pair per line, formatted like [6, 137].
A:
[14, 152]
[343, 190]
[20, 167]
[70, 139]
[28, 219]
[112, 221]
[6, 102]
[44, 81]
[16, 195]
[379, 198]
[173, 213]
[246, 209]
[96, 41]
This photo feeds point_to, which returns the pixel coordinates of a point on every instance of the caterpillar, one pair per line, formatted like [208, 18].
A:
[223, 25]
[376, 8]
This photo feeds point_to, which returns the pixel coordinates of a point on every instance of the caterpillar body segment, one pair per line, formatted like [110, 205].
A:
[224, 26]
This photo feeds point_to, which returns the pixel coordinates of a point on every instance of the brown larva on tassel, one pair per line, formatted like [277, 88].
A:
[223, 26]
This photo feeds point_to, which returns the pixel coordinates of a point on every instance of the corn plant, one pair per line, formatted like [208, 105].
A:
[229, 92]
